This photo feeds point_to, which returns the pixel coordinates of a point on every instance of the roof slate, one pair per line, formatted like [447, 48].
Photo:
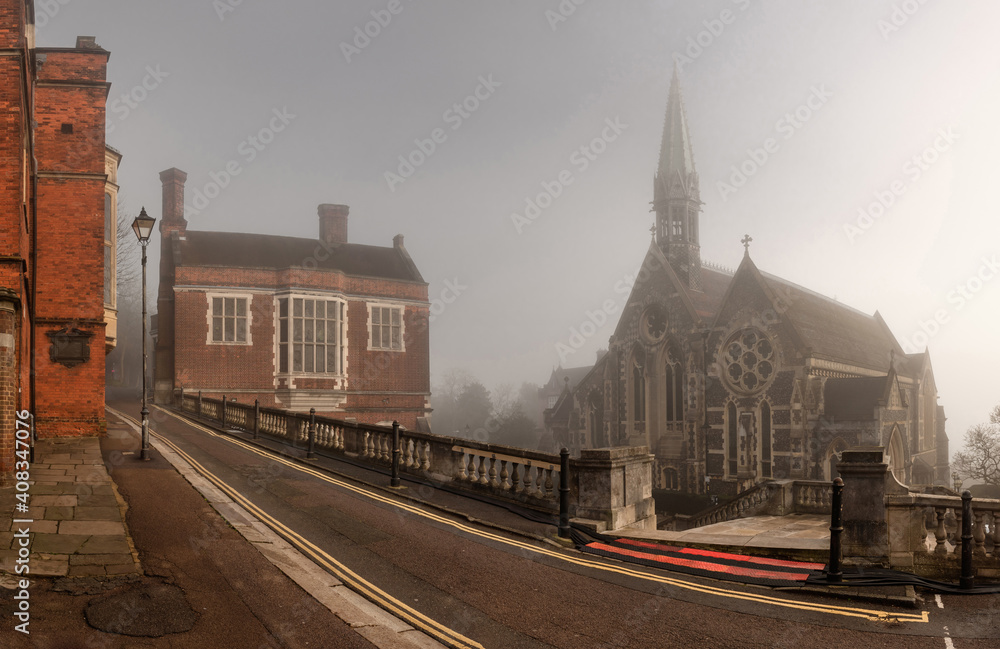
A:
[853, 399]
[244, 250]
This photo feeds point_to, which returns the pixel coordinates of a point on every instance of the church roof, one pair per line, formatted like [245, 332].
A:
[834, 331]
[708, 300]
[574, 374]
[244, 250]
[853, 399]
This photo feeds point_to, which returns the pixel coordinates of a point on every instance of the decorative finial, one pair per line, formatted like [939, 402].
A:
[652, 231]
[892, 358]
[746, 244]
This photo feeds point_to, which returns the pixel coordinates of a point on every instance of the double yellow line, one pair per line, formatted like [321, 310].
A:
[343, 573]
[579, 560]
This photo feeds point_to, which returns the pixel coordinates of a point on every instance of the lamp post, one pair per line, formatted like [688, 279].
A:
[143, 228]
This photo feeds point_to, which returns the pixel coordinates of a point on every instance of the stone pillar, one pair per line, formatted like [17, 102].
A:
[866, 482]
[613, 488]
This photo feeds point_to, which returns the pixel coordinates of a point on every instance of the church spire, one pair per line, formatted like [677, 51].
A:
[676, 158]
[676, 196]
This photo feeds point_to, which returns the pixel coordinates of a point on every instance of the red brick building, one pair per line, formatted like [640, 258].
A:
[52, 232]
[292, 322]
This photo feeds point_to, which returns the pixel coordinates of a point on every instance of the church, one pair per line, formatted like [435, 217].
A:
[734, 378]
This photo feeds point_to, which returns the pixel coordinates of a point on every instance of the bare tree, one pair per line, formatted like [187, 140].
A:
[979, 459]
[123, 366]
[127, 256]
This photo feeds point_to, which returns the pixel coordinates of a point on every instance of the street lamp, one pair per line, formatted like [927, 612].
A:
[143, 228]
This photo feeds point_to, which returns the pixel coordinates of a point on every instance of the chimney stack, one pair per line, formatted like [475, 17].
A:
[333, 223]
[173, 202]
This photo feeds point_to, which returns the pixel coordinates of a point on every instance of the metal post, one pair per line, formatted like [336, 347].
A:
[199, 403]
[394, 482]
[564, 528]
[256, 417]
[144, 455]
[222, 412]
[312, 434]
[967, 572]
[833, 572]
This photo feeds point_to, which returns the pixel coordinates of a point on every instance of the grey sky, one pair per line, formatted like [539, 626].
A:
[884, 85]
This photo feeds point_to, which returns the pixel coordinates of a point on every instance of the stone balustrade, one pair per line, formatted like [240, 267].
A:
[610, 486]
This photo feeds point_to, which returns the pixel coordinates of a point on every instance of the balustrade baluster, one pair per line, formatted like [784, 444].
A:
[549, 485]
[472, 469]
[540, 482]
[461, 474]
[493, 473]
[504, 482]
[425, 461]
[483, 471]
[957, 543]
[515, 478]
[979, 533]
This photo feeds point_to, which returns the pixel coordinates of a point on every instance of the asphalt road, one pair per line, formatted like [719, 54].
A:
[501, 590]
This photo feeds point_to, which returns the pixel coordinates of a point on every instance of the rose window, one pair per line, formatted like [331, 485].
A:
[749, 360]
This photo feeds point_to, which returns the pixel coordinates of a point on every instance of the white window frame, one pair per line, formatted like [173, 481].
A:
[210, 315]
[401, 308]
[342, 328]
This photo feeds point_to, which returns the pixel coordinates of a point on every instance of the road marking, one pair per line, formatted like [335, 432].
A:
[948, 644]
[937, 598]
[339, 570]
[847, 611]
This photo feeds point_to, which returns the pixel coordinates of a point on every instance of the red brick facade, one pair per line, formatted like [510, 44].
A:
[51, 231]
[371, 386]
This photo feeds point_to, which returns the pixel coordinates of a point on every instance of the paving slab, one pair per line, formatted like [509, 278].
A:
[92, 528]
[105, 545]
[58, 543]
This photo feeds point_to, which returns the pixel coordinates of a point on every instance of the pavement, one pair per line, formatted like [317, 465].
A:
[125, 553]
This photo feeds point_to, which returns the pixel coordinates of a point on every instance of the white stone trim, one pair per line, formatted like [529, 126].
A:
[387, 304]
[208, 316]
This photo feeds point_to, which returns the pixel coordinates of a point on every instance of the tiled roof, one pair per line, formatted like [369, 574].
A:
[853, 399]
[835, 331]
[708, 301]
[243, 250]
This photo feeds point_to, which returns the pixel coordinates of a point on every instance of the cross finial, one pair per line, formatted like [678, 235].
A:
[746, 243]
[652, 230]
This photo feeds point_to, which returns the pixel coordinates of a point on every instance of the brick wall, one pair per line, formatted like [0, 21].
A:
[69, 100]
[381, 385]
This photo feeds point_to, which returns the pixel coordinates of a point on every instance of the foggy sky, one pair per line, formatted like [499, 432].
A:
[881, 82]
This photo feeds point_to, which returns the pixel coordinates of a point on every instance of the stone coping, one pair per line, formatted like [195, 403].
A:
[795, 537]
[77, 526]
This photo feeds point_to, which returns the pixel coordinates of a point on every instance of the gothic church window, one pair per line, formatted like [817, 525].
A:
[765, 440]
[748, 359]
[673, 391]
[731, 437]
[638, 391]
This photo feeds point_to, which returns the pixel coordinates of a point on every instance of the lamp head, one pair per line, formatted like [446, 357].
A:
[143, 226]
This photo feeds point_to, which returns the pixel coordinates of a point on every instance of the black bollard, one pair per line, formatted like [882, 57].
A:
[834, 573]
[394, 481]
[967, 544]
[564, 528]
[199, 403]
[222, 412]
[256, 418]
[310, 454]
